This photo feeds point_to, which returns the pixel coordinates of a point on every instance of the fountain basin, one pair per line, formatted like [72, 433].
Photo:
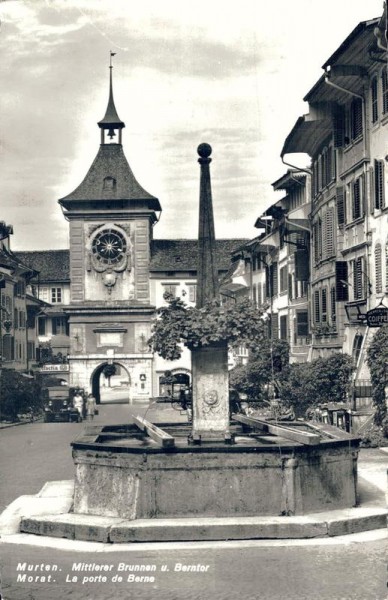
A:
[121, 472]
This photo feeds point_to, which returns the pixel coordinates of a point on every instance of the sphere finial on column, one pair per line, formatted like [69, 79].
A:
[204, 150]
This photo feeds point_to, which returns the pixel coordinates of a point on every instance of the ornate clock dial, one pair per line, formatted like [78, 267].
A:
[109, 247]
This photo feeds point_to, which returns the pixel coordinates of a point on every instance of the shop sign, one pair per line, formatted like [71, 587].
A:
[57, 367]
[377, 316]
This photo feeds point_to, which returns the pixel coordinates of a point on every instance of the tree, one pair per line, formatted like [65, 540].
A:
[109, 371]
[178, 324]
[18, 394]
[377, 360]
[321, 381]
[269, 360]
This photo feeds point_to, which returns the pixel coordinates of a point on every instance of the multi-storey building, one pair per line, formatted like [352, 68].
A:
[345, 134]
[273, 268]
[18, 308]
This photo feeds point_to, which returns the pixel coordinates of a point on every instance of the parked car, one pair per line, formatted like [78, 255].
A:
[58, 405]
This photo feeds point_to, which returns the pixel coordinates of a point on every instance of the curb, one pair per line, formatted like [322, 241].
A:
[90, 528]
[48, 514]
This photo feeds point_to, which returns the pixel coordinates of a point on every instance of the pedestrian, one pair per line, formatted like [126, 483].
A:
[90, 407]
[78, 403]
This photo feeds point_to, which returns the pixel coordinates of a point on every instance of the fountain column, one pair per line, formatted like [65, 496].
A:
[210, 363]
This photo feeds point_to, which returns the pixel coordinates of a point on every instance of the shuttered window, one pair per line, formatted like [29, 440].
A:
[328, 237]
[373, 91]
[341, 281]
[290, 294]
[283, 328]
[317, 308]
[339, 127]
[356, 118]
[192, 293]
[274, 326]
[302, 324]
[378, 269]
[384, 81]
[324, 305]
[358, 278]
[357, 198]
[386, 267]
[259, 297]
[379, 184]
[283, 279]
[341, 205]
[333, 311]
[317, 232]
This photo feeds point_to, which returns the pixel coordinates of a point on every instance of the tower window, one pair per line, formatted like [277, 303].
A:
[109, 183]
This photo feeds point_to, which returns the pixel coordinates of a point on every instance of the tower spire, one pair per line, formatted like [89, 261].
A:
[111, 120]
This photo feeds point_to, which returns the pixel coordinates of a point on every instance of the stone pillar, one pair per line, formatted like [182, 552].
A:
[210, 363]
[210, 393]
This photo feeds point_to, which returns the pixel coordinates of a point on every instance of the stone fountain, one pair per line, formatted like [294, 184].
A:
[213, 467]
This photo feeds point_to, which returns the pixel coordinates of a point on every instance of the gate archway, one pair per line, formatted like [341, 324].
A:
[98, 374]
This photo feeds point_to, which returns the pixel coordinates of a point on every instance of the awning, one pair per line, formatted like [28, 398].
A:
[306, 136]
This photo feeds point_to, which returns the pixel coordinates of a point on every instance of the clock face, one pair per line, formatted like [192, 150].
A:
[109, 247]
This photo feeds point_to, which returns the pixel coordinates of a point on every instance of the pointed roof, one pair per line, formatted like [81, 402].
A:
[111, 119]
[110, 178]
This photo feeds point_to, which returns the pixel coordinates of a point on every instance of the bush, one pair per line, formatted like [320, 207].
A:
[321, 381]
[377, 359]
[266, 361]
[18, 394]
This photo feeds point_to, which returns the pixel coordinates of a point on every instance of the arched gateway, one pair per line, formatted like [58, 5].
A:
[121, 375]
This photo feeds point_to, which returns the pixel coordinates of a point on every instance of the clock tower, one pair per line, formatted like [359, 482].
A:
[111, 218]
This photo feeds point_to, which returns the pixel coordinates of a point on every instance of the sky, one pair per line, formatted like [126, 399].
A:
[232, 74]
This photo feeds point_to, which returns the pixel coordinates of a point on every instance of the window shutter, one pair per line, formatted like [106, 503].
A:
[275, 286]
[317, 312]
[341, 280]
[379, 184]
[341, 206]
[324, 305]
[358, 278]
[386, 267]
[375, 114]
[192, 290]
[339, 127]
[384, 81]
[283, 328]
[267, 283]
[333, 312]
[378, 269]
[274, 326]
[356, 199]
[372, 188]
[329, 233]
[290, 294]
[259, 298]
[54, 325]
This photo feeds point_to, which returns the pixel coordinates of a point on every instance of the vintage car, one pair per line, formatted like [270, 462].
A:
[58, 405]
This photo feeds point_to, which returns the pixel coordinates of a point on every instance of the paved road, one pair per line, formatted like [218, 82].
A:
[228, 571]
[34, 453]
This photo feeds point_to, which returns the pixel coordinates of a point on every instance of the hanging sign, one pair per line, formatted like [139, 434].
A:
[377, 316]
